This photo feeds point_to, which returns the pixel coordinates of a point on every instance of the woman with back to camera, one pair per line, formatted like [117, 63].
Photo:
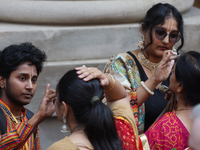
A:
[90, 121]
[93, 124]
[161, 29]
[172, 130]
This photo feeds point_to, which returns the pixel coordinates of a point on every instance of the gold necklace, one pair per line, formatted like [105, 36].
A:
[145, 62]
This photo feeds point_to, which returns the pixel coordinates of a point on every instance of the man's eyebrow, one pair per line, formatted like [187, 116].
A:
[26, 74]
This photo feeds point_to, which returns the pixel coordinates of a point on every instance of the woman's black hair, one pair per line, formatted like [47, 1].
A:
[187, 72]
[157, 14]
[97, 117]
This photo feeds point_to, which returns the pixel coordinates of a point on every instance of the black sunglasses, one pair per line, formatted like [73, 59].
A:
[161, 34]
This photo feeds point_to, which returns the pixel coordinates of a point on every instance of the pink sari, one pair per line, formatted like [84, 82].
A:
[168, 132]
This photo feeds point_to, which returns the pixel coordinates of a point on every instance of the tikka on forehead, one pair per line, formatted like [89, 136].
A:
[31, 75]
[169, 28]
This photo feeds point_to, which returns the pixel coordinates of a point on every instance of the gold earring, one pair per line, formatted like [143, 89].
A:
[141, 42]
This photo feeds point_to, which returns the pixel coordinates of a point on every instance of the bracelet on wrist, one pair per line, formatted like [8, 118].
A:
[146, 88]
[111, 85]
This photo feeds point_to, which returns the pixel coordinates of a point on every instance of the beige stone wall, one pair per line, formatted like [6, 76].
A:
[197, 3]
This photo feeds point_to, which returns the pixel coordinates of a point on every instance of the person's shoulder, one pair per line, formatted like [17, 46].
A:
[119, 55]
[168, 116]
[62, 144]
[122, 110]
[162, 122]
[120, 63]
[118, 106]
[122, 55]
[165, 117]
[126, 58]
[117, 59]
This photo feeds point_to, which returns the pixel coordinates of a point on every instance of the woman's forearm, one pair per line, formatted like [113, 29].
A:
[116, 92]
[142, 93]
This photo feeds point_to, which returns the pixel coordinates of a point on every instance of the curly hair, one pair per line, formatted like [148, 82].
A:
[14, 55]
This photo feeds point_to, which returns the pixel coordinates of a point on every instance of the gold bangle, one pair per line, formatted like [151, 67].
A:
[111, 85]
[146, 88]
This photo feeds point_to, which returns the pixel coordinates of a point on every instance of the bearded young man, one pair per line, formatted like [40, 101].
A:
[20, 66]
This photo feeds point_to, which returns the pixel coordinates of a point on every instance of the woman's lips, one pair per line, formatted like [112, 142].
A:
[163, 48]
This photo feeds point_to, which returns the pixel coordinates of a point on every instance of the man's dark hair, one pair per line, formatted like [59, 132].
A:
[14, 55]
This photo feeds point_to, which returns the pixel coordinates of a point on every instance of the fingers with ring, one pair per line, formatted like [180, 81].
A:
[95, 73]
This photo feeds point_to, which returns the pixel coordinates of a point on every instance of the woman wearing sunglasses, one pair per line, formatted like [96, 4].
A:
[161, 29]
